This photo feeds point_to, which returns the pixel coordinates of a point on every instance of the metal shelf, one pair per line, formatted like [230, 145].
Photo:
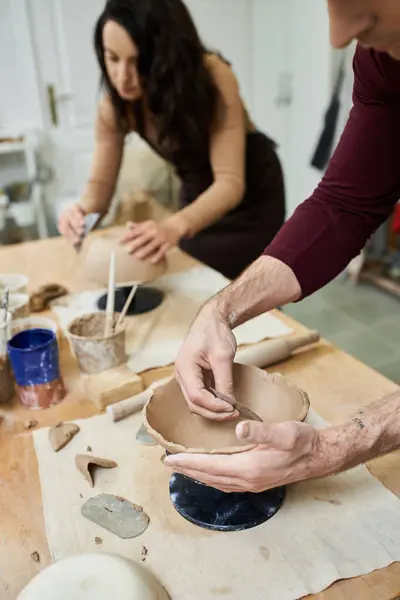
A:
[12, 147]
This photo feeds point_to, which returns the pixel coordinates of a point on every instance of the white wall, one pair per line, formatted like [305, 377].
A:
[226, 26]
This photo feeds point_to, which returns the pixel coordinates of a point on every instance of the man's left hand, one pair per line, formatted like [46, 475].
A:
[285, 453]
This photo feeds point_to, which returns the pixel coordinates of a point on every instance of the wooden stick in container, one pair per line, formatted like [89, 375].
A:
[126, 306]
[109, 320]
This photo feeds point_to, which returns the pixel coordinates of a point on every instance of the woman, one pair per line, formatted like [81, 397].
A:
[161, 82]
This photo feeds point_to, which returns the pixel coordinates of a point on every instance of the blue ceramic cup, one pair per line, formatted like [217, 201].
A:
[35, 363]
[34, 357]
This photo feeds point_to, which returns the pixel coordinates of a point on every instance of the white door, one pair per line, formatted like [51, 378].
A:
[69, 82]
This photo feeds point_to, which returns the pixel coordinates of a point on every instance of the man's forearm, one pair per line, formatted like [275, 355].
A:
[266, 284]
[374, 431]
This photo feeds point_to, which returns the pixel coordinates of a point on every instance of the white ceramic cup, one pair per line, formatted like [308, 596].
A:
[17, 283]
[5, 331]
[18, 305]
[33, 322]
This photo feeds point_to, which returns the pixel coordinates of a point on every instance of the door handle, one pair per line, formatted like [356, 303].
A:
[285, 90]
[51, 96]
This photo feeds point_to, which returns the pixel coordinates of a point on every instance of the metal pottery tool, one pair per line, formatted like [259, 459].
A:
[244, 411]
[90, 222]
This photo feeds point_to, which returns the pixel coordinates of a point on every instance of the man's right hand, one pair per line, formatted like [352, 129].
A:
[206, 358]
[71, 223]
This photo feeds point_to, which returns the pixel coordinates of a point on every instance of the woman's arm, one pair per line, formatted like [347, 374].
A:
[227, 155]
[106, 161]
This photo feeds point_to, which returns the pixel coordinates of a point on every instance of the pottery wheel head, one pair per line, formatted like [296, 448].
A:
[271, 396]
[128, 269]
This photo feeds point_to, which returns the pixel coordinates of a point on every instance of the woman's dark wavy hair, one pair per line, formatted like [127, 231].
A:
[180, 89]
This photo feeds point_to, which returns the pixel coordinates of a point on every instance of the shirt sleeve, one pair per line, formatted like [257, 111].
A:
[107, 159]
[227, 155]
[360, 187]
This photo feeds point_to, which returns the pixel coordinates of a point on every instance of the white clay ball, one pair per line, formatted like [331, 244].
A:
[94, 577]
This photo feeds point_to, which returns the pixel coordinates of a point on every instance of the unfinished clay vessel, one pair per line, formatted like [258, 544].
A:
[128, 269]
[169, 420]
[94, 351]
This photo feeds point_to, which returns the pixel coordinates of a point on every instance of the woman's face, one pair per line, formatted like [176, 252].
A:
[121, 57]
[374, 23]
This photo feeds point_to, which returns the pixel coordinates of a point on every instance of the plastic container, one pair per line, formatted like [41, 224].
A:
[6, 379]
[34, 359]
[94, 352]
[15, 282]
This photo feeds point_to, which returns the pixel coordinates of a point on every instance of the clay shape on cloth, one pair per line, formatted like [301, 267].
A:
[85, 464]
[62, 434]
[95, 576]
[169, 420]
[128, 269]
[121, 517]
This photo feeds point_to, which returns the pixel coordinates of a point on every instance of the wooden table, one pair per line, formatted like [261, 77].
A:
[336, 383]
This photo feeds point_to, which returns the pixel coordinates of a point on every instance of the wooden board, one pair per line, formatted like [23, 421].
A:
[336, 383]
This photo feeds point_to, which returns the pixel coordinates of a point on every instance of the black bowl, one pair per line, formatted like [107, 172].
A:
[146, 299]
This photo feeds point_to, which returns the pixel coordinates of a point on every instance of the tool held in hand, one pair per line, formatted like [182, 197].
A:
[244, 410]
[90, 221]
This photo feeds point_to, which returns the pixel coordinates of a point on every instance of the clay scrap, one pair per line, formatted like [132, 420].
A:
[117, 515]
[85, 464]
[62, 434]
[144, 437]
[40, 300]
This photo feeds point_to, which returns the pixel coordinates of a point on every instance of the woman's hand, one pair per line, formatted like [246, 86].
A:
[150, 240]
[286, 452]
[71, 223]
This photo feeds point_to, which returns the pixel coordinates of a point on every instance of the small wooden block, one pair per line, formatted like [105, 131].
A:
[112, 386]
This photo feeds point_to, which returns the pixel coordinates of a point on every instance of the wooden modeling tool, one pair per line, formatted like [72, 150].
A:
[109, 320]
[126, 306]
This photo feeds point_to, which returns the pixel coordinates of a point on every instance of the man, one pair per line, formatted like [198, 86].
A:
[357, 194]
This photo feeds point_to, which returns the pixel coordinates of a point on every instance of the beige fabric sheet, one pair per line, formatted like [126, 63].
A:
[335, 528]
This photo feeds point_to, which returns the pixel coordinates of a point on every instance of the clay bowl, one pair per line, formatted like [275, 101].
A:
[128, 269]
[169, 420]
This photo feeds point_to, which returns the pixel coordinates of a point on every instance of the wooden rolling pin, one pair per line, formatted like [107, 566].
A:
[134, 404]
[270, 352]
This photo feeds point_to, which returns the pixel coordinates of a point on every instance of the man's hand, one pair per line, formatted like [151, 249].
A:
[71, 223]
[206, 355]
[150, 240]
[285, 453]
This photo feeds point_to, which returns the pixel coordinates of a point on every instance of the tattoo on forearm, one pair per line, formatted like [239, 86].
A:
[358, 422]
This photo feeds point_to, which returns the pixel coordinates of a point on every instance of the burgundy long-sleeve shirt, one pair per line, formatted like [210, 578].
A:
[360, 187]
